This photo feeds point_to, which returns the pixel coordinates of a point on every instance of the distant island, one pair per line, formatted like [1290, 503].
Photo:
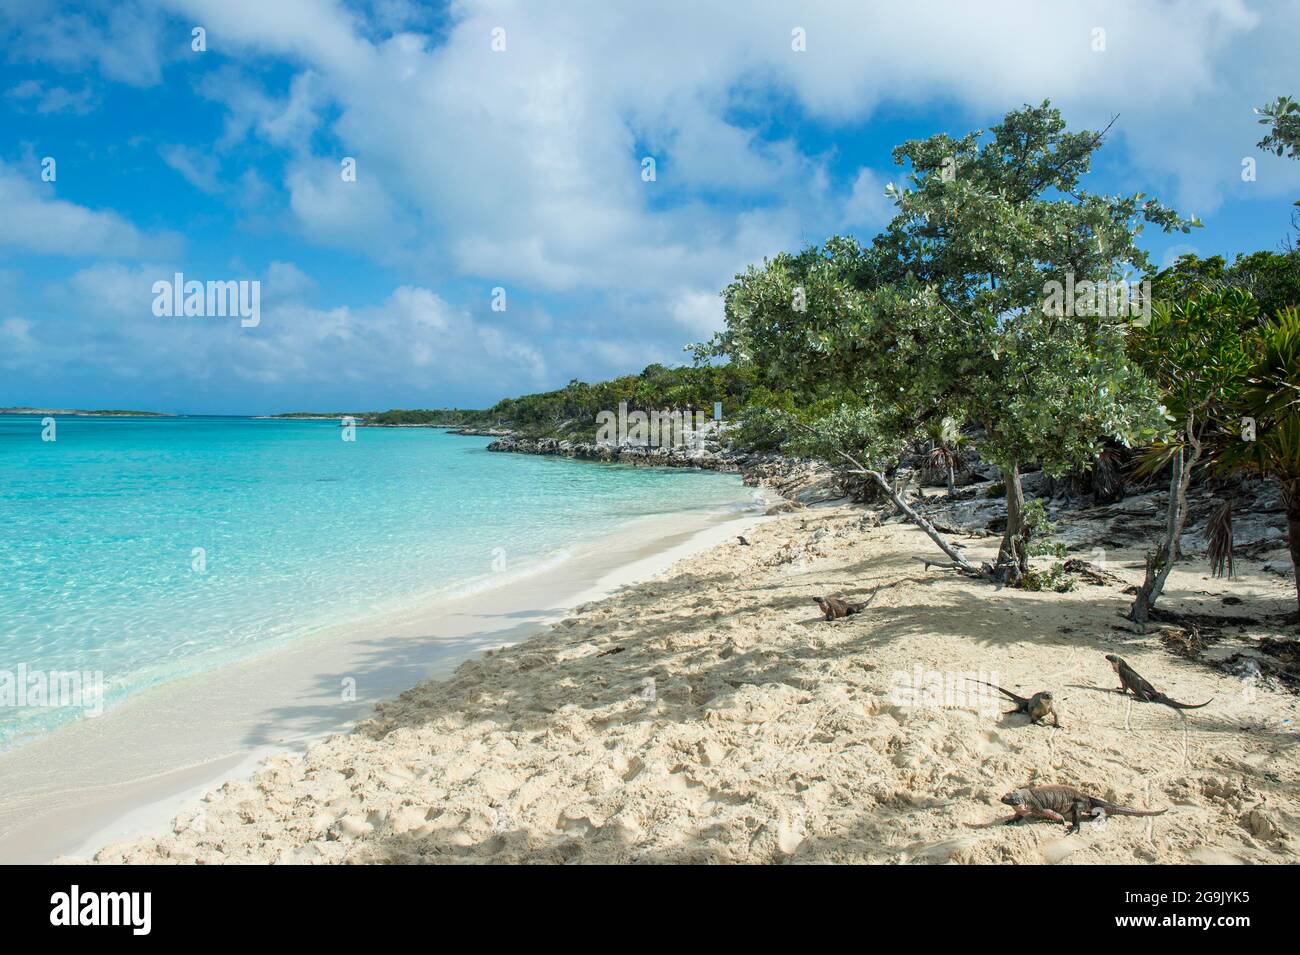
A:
[570, 413]
[102, 413]
[318, 415]
[396, 418]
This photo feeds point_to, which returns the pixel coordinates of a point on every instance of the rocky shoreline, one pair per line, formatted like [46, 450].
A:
[802, 481]
[978, 508]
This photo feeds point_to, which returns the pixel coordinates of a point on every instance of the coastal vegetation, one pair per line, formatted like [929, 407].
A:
[1005, 312]
[1196, 352]
[570, 412]
[944, 314]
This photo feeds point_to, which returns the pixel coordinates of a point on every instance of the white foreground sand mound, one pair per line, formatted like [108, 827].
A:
[769, 735]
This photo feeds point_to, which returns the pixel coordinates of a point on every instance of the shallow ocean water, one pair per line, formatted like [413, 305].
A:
[145, 549]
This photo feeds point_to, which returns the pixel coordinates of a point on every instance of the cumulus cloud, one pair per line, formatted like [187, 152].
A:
[201, 170]
[523, 168]
[35, 221]
[287, 121]
[412, 342]
[122, 39]
[867, 205]
[17, 335]
[524, 165]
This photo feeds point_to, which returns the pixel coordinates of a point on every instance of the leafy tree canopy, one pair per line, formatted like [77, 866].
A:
[1282, 116]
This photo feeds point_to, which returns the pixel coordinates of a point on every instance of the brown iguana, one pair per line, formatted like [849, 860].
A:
[1130, 679]
[834, 607]
[1064, 804]
[1038, 707]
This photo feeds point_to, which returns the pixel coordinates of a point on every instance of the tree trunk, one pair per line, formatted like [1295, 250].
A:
[1161, 562]
[953, 554]
[1013, 555]
[952, 479]
[1292, 497]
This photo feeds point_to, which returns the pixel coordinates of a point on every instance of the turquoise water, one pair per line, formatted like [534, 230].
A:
[297, 529]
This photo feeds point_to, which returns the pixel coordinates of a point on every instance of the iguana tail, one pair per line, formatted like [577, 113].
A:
[1126, 811]
[859, 607]
[1181, 706]
[1115, 810]
[1007, 693]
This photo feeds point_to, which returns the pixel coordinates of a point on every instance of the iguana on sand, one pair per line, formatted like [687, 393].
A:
[1130, 679]
[1064, 804]
[834, 607]
[1038, 707]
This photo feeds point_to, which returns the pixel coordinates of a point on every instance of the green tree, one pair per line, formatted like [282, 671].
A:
[946, 313]
[1265, 439]
[946, 442]
[1198, 352]
[839, 361]
[1282, 116]
[989, 224]
[1272, 278]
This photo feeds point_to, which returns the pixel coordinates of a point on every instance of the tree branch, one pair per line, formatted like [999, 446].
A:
[953, 554]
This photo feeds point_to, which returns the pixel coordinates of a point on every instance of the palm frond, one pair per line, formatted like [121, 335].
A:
[1108, 474]
[1154, 458]
[1219, 532]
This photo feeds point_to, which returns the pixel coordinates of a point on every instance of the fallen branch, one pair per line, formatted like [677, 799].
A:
[903, 506]
[953, 554]
[934, 563]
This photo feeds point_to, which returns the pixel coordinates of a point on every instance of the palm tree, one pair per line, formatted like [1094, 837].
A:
[945, 449]
[1198, 353]
[1268, 441]
[1108, 475]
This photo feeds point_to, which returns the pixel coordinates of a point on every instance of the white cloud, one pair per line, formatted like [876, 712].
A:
[35, 221]
[700, 312]
[17, 333]
[53, 99]
[867, 205]
[524, 166]
[357, 214]
[284, 281]
[288, 122]
[412, 342]
[123, 39]
[201, 170]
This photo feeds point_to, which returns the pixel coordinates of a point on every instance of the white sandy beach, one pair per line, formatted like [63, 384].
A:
[772, 735]
[157, 753]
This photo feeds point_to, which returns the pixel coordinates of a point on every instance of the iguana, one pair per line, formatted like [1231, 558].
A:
[1130, 679]
[1064, 804]
[1038, 707]
[834, 607]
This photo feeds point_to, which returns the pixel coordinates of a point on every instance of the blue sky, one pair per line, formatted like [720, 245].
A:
[521, 169]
